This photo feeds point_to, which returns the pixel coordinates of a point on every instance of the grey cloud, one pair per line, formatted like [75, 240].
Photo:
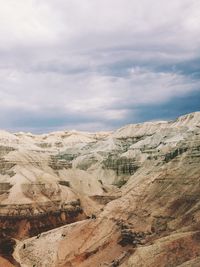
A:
[94, 62]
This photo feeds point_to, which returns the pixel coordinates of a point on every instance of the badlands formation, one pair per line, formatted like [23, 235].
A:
[128, 198]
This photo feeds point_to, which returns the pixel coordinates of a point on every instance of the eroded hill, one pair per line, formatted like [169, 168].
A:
[124, 198]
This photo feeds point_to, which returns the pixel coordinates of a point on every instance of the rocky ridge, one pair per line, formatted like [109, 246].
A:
[133, 195]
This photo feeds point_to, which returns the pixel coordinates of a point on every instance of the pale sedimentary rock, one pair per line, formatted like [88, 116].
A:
[135, 193]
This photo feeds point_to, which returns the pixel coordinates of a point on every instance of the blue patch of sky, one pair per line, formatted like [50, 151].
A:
[169, 110]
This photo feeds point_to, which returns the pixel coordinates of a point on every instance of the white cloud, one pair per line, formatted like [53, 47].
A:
[97, 58]
[91, 93]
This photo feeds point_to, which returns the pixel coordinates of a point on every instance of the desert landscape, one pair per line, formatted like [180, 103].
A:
[128, 198]
[99, 133]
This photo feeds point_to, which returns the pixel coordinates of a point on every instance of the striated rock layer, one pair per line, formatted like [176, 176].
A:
[124, 198]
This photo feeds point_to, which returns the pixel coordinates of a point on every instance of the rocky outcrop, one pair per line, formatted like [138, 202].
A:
[137, 188]
[25, 224]
[121, 166]
[4, 188]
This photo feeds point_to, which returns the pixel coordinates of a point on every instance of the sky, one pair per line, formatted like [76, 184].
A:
[97, 65]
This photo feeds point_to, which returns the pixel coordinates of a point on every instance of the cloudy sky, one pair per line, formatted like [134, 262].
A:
[97, 64]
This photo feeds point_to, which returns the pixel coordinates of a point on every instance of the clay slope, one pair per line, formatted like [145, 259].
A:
[35, 192]
[155, 218]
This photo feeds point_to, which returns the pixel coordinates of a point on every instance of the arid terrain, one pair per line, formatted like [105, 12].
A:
[128, 198]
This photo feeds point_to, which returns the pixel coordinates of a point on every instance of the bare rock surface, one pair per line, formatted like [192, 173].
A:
[124, 198]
